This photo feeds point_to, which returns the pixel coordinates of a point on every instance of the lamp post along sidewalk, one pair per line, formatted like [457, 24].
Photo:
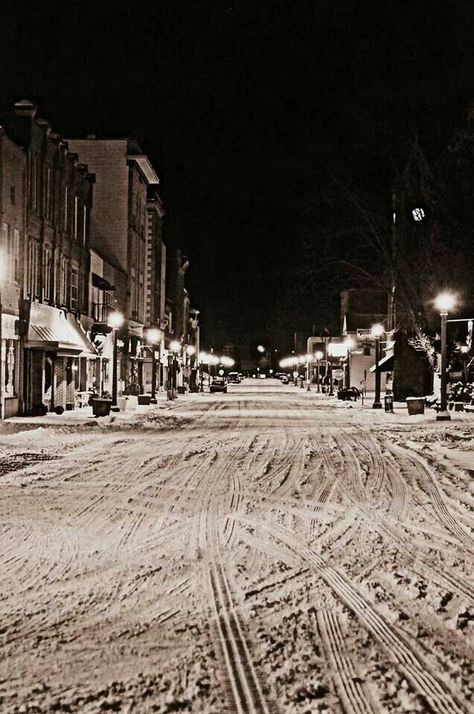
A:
[444, 302]
[377, 332]
[115, 321]
[154, 337]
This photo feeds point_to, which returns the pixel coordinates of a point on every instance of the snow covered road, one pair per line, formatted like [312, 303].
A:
[266, 551]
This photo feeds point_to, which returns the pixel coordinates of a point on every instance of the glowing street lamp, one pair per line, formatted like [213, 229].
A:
[318, 357]
[377, 331]
[154, 337]
[444, 303]
[349, 343]
[115, 320]
[175, 348]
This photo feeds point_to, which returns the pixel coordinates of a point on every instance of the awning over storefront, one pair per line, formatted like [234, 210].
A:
[50, 329]
[385, 364]
[101, 283]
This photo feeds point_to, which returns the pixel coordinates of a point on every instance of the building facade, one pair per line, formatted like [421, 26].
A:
[54, 294]
[12, 238]
[119, 235]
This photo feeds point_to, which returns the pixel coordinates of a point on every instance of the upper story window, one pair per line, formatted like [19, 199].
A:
[76, 217]
[84, 224]
[48, 193]
[64, 280]
[47, 273]
[74, 287]
[66, 209]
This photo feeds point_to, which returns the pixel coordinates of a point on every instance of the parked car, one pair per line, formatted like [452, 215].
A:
[233, 378]
[219, 384]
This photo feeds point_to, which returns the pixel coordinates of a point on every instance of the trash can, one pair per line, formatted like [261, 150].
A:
[415, 405]
[388, 403]
[101, 406]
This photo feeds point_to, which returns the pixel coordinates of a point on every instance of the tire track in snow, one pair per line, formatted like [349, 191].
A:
[349, 687]
[436, 494]
[408, 658]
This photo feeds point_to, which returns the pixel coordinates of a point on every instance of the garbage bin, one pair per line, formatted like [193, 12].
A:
[415, 405]
[101, 406]
[388, 403]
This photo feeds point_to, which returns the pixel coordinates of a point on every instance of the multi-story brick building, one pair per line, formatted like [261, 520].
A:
[12, 227]
[119, 231]
[58, 198]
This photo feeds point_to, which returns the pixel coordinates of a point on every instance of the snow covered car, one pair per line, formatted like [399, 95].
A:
[218, 384]
[233, 378]
[348, 393]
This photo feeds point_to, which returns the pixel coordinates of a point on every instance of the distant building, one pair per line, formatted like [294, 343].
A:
[120, 234]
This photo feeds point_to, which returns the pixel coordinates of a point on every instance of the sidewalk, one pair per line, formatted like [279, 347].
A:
[77, 417]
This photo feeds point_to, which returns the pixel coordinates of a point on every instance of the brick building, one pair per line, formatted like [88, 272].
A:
[12, 226]
[58, 201]
[119, 233]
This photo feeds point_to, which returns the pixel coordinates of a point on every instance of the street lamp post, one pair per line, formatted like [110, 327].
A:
[377, 332]
[115, 321]
[444, 302]
[318, 355]
[349, 342]
[175, 347]
[154, 337]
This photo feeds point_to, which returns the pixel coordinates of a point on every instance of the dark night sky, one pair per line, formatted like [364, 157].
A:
[244, 107]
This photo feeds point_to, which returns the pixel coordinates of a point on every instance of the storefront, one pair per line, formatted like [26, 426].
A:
[10, 367]
[60, 360]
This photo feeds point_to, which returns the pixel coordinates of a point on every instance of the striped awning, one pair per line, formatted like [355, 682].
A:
[50, 329]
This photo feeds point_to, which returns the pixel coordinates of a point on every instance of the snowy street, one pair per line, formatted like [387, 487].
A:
[266, 550]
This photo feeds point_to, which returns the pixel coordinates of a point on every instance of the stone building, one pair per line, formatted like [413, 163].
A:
[119, 236]
[12, 236]
[58, 198]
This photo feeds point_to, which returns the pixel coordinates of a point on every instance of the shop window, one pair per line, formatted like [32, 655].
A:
[9, 388]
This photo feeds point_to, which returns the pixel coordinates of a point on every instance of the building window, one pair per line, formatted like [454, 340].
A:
[47, 273]
[16, 254]
[74, 287]
[64, 278]
[33, 180]
[84, 224]
[48, 198]
[32, 269]
[66, 209]
[76, 217]
[12, 195]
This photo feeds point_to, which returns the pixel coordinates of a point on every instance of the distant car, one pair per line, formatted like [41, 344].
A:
[233, 378]
[218, 384]
[284, 379]
[348, 393]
